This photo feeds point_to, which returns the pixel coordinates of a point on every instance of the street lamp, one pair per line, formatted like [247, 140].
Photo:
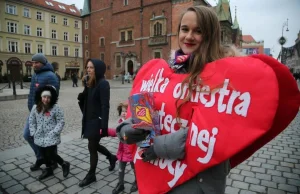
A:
[282, 39]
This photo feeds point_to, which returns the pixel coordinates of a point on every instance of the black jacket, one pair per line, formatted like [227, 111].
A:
[94, 104]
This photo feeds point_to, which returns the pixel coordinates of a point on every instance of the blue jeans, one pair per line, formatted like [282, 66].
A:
[29, 139]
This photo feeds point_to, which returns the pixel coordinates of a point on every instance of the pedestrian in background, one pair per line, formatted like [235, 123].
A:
[94, 103]
[231, 51]
[46, 121]
[43, 75]
[74, 79]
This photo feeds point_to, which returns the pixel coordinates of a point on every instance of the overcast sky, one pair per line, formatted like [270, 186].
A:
[263, 19]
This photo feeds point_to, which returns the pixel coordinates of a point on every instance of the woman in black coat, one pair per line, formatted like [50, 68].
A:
[94, 104]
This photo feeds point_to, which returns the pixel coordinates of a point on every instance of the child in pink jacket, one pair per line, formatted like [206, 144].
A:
[124, 154]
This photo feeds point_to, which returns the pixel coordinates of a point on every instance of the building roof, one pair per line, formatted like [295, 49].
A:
[223, 11]
[248, 38]
[56, 6]
[86, 8]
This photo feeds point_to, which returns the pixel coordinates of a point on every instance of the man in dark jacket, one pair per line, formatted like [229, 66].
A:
[44, 75]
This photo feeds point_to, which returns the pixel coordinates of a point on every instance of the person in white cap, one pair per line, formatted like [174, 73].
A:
[46, 121]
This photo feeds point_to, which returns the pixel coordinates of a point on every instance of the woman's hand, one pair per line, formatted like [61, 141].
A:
[149, 154]
[130, 135]
[168, 146]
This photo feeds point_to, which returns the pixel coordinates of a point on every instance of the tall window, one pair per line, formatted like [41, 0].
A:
[157, 29]
[76, 24]
[27, 48]
[66, 51]
[76, 38]
[87, 54]
[76, 52]
[66, 35]
[39, 15]
[125, 2]
[54, 50]
[39, 31]
[118, 61]
[26, 12]
[102, 43]
[54, 34]
[26, 30]
[13, 46]
[53, 18]
[12, 27]
[129, 35]
[86, 25]
[12, 9]
[65, 21]
[86, 39]
[102, 56]
[123, 36]
[40, 48]
[222, 36]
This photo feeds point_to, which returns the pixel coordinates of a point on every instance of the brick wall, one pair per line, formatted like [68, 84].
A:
[108, 19]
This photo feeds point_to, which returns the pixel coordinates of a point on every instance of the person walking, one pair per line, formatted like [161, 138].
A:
[43, 75]
[124, 154]
[94, 103]
[46, 121]
[74, 79]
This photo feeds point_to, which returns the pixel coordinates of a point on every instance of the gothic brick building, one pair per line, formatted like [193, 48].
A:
[128, 33]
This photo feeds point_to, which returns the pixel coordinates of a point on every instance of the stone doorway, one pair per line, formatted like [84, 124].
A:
[130, 67]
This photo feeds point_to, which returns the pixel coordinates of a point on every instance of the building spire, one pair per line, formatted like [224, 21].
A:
[86, 8]
[235, 23]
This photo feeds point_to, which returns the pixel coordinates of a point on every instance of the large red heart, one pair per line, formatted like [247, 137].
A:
[231, 115]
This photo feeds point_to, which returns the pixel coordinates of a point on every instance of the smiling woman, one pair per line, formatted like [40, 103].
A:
[207, 126]
[190, 36]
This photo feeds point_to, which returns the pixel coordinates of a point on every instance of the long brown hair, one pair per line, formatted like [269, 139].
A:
[91, 81]
[209, 50]
[40, 107]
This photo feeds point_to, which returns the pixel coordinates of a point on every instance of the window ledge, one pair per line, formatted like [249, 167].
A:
[11, 14]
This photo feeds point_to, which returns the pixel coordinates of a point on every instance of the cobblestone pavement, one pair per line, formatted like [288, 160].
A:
[274, 169]
[13, 114]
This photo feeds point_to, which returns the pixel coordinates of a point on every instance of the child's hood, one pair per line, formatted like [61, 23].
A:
[51, 89]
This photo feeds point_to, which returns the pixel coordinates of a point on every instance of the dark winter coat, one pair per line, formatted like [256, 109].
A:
[44, 76]
[94, 104]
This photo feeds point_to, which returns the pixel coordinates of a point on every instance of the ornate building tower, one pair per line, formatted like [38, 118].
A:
[230, 31]
[224, 15]
[237, 37]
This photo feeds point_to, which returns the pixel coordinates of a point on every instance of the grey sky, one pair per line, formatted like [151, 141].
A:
[263, 19]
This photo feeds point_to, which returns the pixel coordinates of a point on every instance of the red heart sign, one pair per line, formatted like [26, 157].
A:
[229, 116]
[141, 112]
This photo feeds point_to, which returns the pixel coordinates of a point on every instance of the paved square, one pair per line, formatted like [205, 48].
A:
[274, 169]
